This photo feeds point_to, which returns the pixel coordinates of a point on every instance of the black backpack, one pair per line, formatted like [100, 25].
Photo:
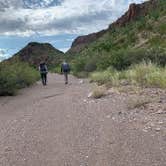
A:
[43, 68]
[66, 67]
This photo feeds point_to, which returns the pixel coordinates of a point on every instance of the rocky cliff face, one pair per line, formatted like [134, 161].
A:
[134, 11]
[35, 52]
[82, 41]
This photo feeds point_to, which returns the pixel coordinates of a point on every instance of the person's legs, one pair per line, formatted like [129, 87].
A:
[42, 79]
[45, 79]
[66, 77]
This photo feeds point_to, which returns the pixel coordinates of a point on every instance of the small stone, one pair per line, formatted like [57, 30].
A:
[147, 127]
[144, 130]
[81, 81]
[158, 129]
[159, 112]
[152, 124]
[120, 113]
[90, 95]
[85, 100]
[108, 116]
[113, 118]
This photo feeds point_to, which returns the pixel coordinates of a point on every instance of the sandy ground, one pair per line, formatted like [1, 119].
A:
[58, 125]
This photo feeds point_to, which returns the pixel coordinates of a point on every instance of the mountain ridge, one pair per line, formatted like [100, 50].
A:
[34, 52]
[134, 11]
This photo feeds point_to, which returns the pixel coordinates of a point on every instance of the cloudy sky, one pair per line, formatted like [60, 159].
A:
[58, 22]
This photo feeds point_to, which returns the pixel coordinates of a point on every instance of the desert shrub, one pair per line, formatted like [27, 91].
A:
[81, 74]
[78, 64]
[131, 38]
[16, 75]
[162, 28]
[111, 77]
[104, 61]
[156, 41]
[90, 66]
[147, 75]
[101, 77]
[157, 79]
[156, 55]
[143, 74]
[141, 23]
[55, 69]
[138, 102]
[99, 92]
[124, 58]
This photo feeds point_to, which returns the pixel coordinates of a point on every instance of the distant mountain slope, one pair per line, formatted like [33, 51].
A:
[134, 12]
[35, 52]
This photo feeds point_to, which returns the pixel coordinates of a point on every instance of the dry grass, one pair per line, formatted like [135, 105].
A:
[99, 92]
[137, 102]
[143, 75]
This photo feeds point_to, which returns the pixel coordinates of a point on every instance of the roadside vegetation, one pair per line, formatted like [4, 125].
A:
[143, 74]
[16, 75]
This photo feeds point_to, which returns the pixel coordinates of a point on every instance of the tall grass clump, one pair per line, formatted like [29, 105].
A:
[110, 76]
[143, 74]
[14, 76]
[147, 75]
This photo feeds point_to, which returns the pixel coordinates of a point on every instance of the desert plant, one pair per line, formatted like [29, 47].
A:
[16, 75]
[99, 92]
[136, 102]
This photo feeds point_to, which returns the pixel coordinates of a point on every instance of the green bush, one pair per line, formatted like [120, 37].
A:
[162, 29]
[143, 74]
[156, 55]
[14, 76]
[56, 69]
[78, 64]
[101, 77]
[147, 75]
[110, 76]
[90, 66]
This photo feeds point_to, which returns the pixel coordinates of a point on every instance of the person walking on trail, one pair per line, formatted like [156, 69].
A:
[43, 72]
[65, 69]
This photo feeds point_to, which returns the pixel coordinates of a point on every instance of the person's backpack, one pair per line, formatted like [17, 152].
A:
[43, 68]
[65, 67]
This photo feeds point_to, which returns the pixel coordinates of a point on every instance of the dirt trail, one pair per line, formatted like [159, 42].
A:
[57, 125]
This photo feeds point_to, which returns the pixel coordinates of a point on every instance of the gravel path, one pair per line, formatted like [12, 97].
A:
[58, 125]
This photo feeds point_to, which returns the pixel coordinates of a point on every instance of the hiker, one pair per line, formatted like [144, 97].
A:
[65, 69]
[43, 72]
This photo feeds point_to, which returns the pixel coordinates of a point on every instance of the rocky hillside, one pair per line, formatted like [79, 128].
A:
[35, 52]
[81, 41]
[134, 12]
[139, 35]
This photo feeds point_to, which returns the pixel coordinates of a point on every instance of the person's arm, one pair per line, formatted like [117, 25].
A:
[69, 68]
[46, 68]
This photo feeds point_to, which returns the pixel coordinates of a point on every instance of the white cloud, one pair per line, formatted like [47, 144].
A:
[73, 17]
